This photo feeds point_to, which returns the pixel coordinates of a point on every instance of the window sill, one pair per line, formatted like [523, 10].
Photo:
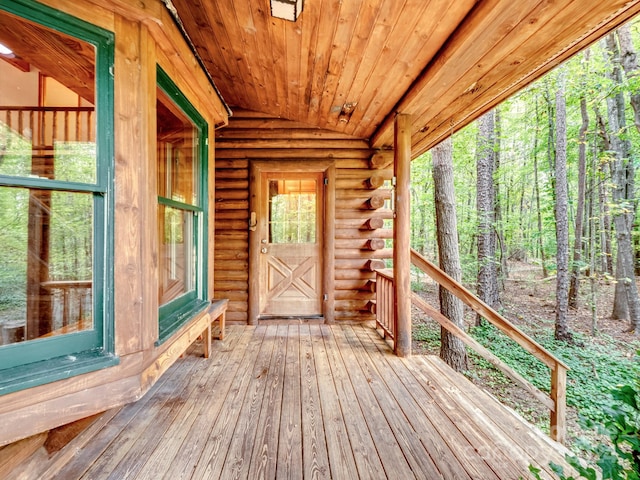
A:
[51, 370]
[171, 324]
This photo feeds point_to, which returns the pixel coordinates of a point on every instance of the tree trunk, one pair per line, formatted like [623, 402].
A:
[561, 213]
[485, 202]
[605, 218]
[591, 221]
[629, 61]
[536, 186]
[623, 190]
[503, 267]
[452, 350]
[574, 284]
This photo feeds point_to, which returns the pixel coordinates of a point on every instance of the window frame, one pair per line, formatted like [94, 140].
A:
[38, 361]
[175, 313]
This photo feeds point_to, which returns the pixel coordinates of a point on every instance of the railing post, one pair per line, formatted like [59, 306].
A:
[558, 427]
[402, 235]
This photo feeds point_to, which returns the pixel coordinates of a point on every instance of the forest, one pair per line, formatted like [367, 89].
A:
[547, 229]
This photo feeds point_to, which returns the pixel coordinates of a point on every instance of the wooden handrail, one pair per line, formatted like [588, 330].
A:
[18, 108]
[556, 400]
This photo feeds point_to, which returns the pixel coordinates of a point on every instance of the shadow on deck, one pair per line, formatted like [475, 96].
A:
[312, 401]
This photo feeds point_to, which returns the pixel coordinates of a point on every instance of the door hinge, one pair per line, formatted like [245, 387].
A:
[326, 181]
[325, 297]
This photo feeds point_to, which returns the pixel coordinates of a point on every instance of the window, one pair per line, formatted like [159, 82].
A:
[182, 207]
[56, 150]
[292, 210]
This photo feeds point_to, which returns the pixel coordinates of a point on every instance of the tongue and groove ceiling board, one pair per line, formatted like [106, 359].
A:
[350, 65]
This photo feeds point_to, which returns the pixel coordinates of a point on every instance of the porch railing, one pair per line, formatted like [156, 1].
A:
[555, 400]
[385, 316]
[72, 304]
[44, 126]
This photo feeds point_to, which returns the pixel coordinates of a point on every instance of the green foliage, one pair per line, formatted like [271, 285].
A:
[596, 367]
[430, 336]
[621, 423]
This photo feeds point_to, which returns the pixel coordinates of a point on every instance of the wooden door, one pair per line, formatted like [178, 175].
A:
[291, 244]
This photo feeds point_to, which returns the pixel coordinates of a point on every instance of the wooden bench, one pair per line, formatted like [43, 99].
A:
[216, 311]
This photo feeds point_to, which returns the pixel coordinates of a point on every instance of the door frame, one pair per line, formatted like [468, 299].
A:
[327, 167]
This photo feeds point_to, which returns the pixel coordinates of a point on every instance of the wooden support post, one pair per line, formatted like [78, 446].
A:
[558, 427]
[402, 235]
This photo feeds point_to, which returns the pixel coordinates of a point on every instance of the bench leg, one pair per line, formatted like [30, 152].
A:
[207, 341]
[222, 320]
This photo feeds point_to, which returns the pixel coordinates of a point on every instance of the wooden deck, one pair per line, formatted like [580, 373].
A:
[311, 401]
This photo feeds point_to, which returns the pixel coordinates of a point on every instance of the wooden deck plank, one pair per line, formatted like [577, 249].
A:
[265, 448]
[315, 457]
[177, 408]
[312, 401]
[467, 443]
[527, 445]
[215, 452]
[145, 416]
[102, 440]
[362, 445]
[238, 459]
[177, 458]
[341, 461]
[478, 419]
[289, 462]
[363, 380]
[425, 449]
[160, 460]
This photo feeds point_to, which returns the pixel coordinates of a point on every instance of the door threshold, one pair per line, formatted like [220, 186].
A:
[277, 320]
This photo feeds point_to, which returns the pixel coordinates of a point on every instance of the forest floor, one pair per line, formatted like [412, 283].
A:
[528, 301]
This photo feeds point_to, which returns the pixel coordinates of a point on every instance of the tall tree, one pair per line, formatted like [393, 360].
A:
[605, 217]
[503, 270]
[452, 349]
[536, 186]
[574, 283]
[485, 202]
[629, 62]
[561, 213]
[623, 173]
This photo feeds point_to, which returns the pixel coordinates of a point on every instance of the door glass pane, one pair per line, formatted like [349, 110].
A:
[177, 253]
[292, 211]
[45, 263]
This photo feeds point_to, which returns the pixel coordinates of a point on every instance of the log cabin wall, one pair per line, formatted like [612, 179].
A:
[363, 217]
[145, 37]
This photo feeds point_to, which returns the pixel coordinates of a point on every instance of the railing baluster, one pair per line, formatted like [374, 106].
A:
[66, 126]
[385, 311]
[558, 395]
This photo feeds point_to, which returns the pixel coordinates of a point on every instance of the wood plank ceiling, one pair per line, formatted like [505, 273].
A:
[350, 65]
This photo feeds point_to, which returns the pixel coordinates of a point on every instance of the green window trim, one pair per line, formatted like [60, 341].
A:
[39, 361]
[177, 312]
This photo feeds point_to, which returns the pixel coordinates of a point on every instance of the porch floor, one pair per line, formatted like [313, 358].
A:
[312, 401]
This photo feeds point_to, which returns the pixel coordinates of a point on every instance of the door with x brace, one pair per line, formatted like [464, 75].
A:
[290, 233]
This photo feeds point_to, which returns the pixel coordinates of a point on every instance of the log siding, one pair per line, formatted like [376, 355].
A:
[360, 186]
